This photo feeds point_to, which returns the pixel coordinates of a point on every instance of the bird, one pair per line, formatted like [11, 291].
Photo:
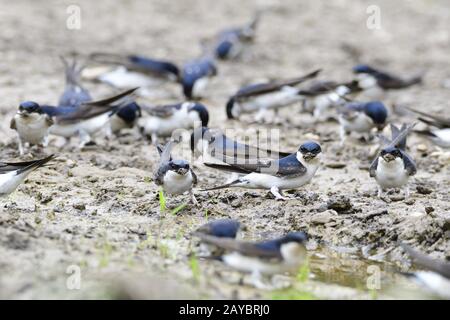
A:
[74, 93]
[263, 96]
[125, 117]
[12, 174]
[268, 257]
[374, 81]
[440, 131]
[289, 172]
[436, 274]
[195, 76]
[321, 96]
[213, 144]
[133, 70]
[32, 125]
[175, 176]
[85, 120]
[230, 43]
[164, 120]
[393, 167]
[361, 117]
[140, 71]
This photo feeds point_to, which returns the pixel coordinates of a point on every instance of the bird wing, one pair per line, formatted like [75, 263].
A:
[424, 261]
[92, 109]
[194, 177]
[223, 147]
[245, 248]
[12, 124]
[164, 111]
[20, 167]
[262, 88]
[409, 164]
[319, 87]
[287, 167]
[137, 63]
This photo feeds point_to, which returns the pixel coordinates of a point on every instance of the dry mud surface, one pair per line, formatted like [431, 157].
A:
[98, 209]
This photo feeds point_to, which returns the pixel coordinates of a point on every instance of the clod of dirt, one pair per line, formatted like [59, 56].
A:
[423, 189]
[17, 240]
[341, 204]
[429, 210]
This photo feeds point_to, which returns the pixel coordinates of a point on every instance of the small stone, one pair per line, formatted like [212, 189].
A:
[421, 148]
[323, 217]
[410, 201]
[335, 165]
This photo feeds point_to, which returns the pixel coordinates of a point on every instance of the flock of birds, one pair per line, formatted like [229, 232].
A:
[77, 115]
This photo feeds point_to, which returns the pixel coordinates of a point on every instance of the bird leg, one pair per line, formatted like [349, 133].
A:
[45, 141]
[258, 282]
[406, 191]
[85, 138]
[343, 135]
[21, 147]
[193, 199]
[154, 138]
[259, 117]
[380, 192]
[277, 193]
[108, 131]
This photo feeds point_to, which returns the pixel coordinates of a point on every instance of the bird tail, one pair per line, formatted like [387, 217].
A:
[414, 80]
[427, 133]
[73, 72]
[224, 186]
[108, 58]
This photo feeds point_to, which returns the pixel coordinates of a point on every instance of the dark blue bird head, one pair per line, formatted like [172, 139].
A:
[299, 237]
[202, 113]
[197, 134]
[179, 166]
[222, 228]
[377, 112]
[194, 71]
[29, 107]
[310, 150]
[223, 49]
[229, 107]
[130, 112]
[391, 153]
[275, 245]
[363, 68]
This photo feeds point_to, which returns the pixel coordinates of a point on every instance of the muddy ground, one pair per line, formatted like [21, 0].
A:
[98, 209]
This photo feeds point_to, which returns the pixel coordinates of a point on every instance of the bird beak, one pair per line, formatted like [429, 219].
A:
[308, 156]
[182, 171]
[388, 157]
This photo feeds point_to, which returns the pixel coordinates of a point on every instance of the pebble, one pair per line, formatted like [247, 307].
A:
[323, 217]
[421, 148]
